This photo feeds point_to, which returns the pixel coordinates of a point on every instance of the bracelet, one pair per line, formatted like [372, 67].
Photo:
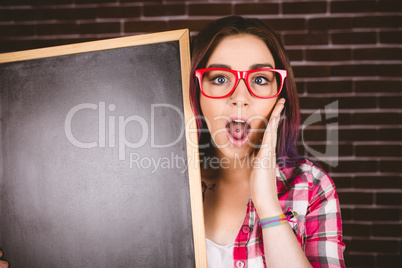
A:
[277, 220]
[273, 221]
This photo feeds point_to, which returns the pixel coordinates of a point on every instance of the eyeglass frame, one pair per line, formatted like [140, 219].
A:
[240, 75]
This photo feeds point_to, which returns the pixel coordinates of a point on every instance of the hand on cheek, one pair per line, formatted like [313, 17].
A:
[263, 189]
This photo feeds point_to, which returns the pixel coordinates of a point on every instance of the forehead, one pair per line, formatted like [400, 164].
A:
[241, 51]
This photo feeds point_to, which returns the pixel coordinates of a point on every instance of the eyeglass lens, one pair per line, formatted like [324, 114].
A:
[218, 83]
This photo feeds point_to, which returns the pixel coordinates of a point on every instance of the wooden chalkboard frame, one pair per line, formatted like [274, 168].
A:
[182, 36]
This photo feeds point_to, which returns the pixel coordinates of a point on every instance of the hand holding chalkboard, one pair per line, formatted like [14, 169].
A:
[3, 264]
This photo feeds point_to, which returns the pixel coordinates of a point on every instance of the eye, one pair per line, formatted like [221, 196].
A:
[219, 80]
[261, 80]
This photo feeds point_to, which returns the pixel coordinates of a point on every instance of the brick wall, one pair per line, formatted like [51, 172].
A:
[344, 53]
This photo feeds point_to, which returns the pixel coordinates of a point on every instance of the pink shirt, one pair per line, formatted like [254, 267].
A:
[318, 227]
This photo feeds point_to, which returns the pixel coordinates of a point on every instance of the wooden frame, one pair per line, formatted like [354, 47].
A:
[192, 152]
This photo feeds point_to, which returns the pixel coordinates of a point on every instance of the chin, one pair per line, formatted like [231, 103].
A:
[234, 152]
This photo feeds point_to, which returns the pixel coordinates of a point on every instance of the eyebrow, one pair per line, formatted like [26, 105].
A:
[261, 65]
[253, 67]
[219, 66]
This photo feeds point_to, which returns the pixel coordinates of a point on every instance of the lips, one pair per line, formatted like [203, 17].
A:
[238, 131]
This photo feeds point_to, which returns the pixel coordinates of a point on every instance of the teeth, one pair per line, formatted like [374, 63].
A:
[239, 121]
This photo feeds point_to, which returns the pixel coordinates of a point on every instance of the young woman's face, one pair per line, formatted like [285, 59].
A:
[237, 122]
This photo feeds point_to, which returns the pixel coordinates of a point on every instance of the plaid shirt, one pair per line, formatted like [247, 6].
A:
[318, 228]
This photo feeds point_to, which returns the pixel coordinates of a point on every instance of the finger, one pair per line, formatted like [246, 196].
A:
[3, 264]
[280, 104]
[270, 133]
[1, 253]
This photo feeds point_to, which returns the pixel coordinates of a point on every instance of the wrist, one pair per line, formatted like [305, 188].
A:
[269, 209]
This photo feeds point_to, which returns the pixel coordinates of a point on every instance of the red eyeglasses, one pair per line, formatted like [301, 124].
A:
[219, 83]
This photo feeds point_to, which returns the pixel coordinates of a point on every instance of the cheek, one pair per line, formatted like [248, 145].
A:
[210, 108]
[264, 110]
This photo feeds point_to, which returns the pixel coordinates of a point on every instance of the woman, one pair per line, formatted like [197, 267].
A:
[264, 206]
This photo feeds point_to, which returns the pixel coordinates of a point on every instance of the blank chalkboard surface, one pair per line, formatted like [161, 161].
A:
[95, 156]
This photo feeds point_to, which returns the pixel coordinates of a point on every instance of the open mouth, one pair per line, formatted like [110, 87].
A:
[238, 131]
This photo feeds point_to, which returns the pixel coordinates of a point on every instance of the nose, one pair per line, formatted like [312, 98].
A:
[241, 95]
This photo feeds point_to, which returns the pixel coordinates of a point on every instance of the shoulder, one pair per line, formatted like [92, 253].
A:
[304, 172]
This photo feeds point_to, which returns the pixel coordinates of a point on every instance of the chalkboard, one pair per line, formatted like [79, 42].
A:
[97, 156]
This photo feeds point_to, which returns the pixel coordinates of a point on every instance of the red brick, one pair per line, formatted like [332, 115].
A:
[92, 1]
[306, 39]
[357, 134]
[98, 28]
[7, 15]
[23, 14]
[388, 260]
[376, 118]
[67, 41]
[17, 30]
[342, 118]
[295, 54]
[365, 245]
[330, 23]
[354, 38]
[36, 2]
[310, 102]
[379, 150]
[286, 24]
[343, 150]
[329, 86]
[57, 29]
[390, 102]
[378, 182]
[389, 6]
[355, 198]
[164, 10]
[75, 13]
[149, 1]
[314, 134]
[376, 214]
[19, 45]
[390, 166]
[312, 71]
[346, 214]
[119, 12]
[210, 9]
[328, 54]
[355, 166]
[390, 70]
[193, 25]
[377, 54]
[393, 199]
[256, 8]
[378, 86]
[342, 182]
[145, 26]
[358, 260]
[353, 6]
[356, 70]
[391, 37]
[300, 87]
[356, 102]
[51, 14]
[377, 22]
[390, 134]
[356, 229]
[304, 7]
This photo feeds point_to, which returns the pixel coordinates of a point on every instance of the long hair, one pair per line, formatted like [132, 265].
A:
[202, 46]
